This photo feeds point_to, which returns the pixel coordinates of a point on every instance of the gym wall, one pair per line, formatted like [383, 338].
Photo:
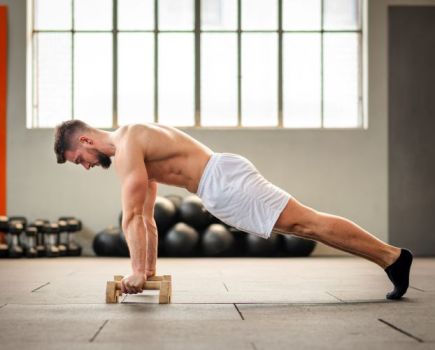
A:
[3, 79]
[411, 127]
[338, 171]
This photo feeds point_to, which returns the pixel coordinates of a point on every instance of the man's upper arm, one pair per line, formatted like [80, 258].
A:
[134, 181]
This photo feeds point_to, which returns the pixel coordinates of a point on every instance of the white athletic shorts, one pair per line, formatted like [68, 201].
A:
[233, 190]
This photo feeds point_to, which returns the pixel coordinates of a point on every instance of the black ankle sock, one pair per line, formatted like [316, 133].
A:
[398, 273]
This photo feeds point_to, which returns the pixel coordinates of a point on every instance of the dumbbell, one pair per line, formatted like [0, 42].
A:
[40, 245]
[23, 221]
[61, 237]
[31, 233]
[74, 226]
[161, 283]
[15, 230]
[51, 231]
[4, 228]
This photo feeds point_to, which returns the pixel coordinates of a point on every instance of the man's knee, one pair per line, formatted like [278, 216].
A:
[298, 219]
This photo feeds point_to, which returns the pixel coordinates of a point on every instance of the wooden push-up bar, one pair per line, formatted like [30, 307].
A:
[161, 283]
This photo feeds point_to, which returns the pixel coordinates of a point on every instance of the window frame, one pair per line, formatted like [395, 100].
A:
[32, 108]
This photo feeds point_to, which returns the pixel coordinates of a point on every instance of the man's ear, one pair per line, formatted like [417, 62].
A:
[85, 139]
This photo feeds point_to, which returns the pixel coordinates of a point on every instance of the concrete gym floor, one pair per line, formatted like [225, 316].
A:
[316, 302]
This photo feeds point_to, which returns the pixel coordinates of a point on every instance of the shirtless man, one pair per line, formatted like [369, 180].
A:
[229, 185]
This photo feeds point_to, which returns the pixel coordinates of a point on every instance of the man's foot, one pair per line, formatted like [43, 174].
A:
[398, 273]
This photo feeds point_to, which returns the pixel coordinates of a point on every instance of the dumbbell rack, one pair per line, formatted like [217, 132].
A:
[161, 283]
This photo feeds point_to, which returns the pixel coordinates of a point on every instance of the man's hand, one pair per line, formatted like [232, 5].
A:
[133, 284]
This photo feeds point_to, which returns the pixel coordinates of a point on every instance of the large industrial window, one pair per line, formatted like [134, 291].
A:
[204, 63]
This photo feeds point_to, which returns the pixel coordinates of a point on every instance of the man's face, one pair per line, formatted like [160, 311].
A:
[88, 157]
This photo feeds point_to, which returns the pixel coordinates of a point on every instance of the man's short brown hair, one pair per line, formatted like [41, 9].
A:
[63, 136]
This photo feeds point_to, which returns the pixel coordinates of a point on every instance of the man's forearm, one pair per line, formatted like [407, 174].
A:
[152, 242]
[136, 235]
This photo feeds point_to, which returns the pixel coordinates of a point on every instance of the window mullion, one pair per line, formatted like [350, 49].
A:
[280, 68]
[72, 58]
[239, 63]
[197, 63]
[156, 61]
[115, 64]
[322, 119]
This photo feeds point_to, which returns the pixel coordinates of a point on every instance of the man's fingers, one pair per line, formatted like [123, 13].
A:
[131, 289]
[138, 290]
[126, 288]
[132, 285]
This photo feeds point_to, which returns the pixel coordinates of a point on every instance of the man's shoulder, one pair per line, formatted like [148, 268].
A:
[132, 140]
[132, 129]
[133, 134]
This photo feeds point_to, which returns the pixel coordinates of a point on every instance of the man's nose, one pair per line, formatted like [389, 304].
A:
[86, 166]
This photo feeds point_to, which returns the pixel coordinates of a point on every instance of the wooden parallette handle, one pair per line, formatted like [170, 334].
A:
[162, 283]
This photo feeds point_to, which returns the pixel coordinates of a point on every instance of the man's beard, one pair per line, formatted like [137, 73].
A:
[104, 160]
